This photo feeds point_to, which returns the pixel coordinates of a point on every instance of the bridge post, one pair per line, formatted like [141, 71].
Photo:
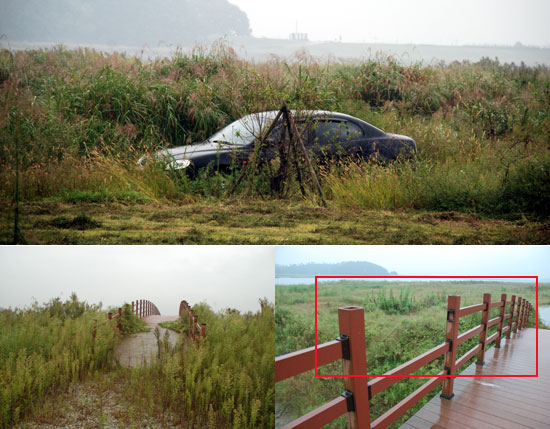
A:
[517, 315]
[511, 319]
[194, 330]
[501, 320]
[203, 330]
[119, 323]
[451, 334]
[521, 318]
[525, 314]
[351, 321]
[483, 333]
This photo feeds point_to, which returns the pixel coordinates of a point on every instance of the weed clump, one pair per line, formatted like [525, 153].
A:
[46, 347]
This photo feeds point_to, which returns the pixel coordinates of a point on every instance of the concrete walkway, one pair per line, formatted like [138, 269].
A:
[137, 349]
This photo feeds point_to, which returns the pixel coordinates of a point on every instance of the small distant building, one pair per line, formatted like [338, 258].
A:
[298, 36]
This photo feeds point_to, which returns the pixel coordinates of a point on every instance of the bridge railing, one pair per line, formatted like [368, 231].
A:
[141, 308]
[350, 348]
[197, 329]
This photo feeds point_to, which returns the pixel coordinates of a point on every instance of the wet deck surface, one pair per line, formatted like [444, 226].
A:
[138, 349]
[497, 402]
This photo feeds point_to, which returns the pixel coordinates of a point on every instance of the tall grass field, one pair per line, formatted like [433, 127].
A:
[402, 321]
[48, 352]
[73, 123]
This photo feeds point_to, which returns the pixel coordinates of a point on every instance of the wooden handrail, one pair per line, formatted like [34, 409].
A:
[143, 308]
[350, 347]
[295, 363]
[198, 330]
[382, 383]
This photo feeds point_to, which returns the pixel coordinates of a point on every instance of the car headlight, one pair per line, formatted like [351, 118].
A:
[143, 160]
[178, 164]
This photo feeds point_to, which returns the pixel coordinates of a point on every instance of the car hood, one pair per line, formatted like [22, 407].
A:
[187, 152]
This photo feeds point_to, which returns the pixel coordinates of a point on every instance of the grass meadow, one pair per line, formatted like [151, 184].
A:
[403, 320]
[47, 353]
[74, 123]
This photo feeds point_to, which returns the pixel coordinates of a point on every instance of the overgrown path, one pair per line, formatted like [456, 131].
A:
[137, 349]
[257, 222]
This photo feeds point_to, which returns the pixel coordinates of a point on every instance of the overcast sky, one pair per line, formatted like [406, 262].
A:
[223, 276]
[477, 22]
[431, 260]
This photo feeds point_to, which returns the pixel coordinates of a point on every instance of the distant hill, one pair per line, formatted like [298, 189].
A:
[121, 22]
[350, 268]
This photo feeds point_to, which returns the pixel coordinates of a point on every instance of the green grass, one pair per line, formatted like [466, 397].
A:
[226, 380]
[46, 347]
[74, 123]
[403, 320]
[254, 221]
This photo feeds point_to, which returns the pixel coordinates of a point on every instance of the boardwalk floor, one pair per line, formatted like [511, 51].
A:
[497, 402]
[137, 349]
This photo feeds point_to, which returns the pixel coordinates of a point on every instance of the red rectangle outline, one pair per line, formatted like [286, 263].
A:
[433, 277]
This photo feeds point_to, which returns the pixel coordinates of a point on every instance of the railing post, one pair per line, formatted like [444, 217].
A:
[194, 330]
[526, 313]
[351, 322]
[529, 312]
[517, 314]
[203, 330]
[511, 319]
[501, 321]
[483, 333]
[451, 333]
[132, 306]
[119, 323]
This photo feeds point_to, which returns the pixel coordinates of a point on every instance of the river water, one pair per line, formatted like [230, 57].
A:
[544, 314]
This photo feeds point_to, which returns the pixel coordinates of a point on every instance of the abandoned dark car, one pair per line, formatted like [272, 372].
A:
[325, 134]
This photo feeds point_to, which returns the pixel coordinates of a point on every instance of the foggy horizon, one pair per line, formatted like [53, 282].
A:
[221, 276]
[432, 22]
[421, 260]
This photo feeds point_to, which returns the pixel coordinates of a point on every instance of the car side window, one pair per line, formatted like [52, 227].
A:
[329, 132]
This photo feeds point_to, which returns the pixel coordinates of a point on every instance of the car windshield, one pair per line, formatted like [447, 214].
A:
[244, 131]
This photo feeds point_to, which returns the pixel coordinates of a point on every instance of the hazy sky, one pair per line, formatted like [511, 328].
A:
[223, 276]
[477, 22]
[431, 260]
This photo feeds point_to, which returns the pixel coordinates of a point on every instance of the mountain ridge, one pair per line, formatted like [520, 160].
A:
[347, 268]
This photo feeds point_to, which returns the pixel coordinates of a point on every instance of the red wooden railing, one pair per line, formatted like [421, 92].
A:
[144, 308]
[141, 308]
[350, 347]
[198, 329]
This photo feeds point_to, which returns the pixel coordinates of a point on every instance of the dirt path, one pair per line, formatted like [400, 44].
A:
[138, 348]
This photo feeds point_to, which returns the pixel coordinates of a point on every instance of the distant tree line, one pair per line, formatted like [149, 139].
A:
[120, 22]
[350, 268]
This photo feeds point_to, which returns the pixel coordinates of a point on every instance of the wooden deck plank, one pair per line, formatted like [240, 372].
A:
[507, 402]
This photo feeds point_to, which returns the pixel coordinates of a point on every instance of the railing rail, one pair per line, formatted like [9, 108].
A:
[350, 347]
[197, 329]
[141, 308]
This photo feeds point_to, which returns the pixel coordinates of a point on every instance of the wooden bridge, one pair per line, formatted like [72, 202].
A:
[474, 402]
[497, 402]
[137, 349]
